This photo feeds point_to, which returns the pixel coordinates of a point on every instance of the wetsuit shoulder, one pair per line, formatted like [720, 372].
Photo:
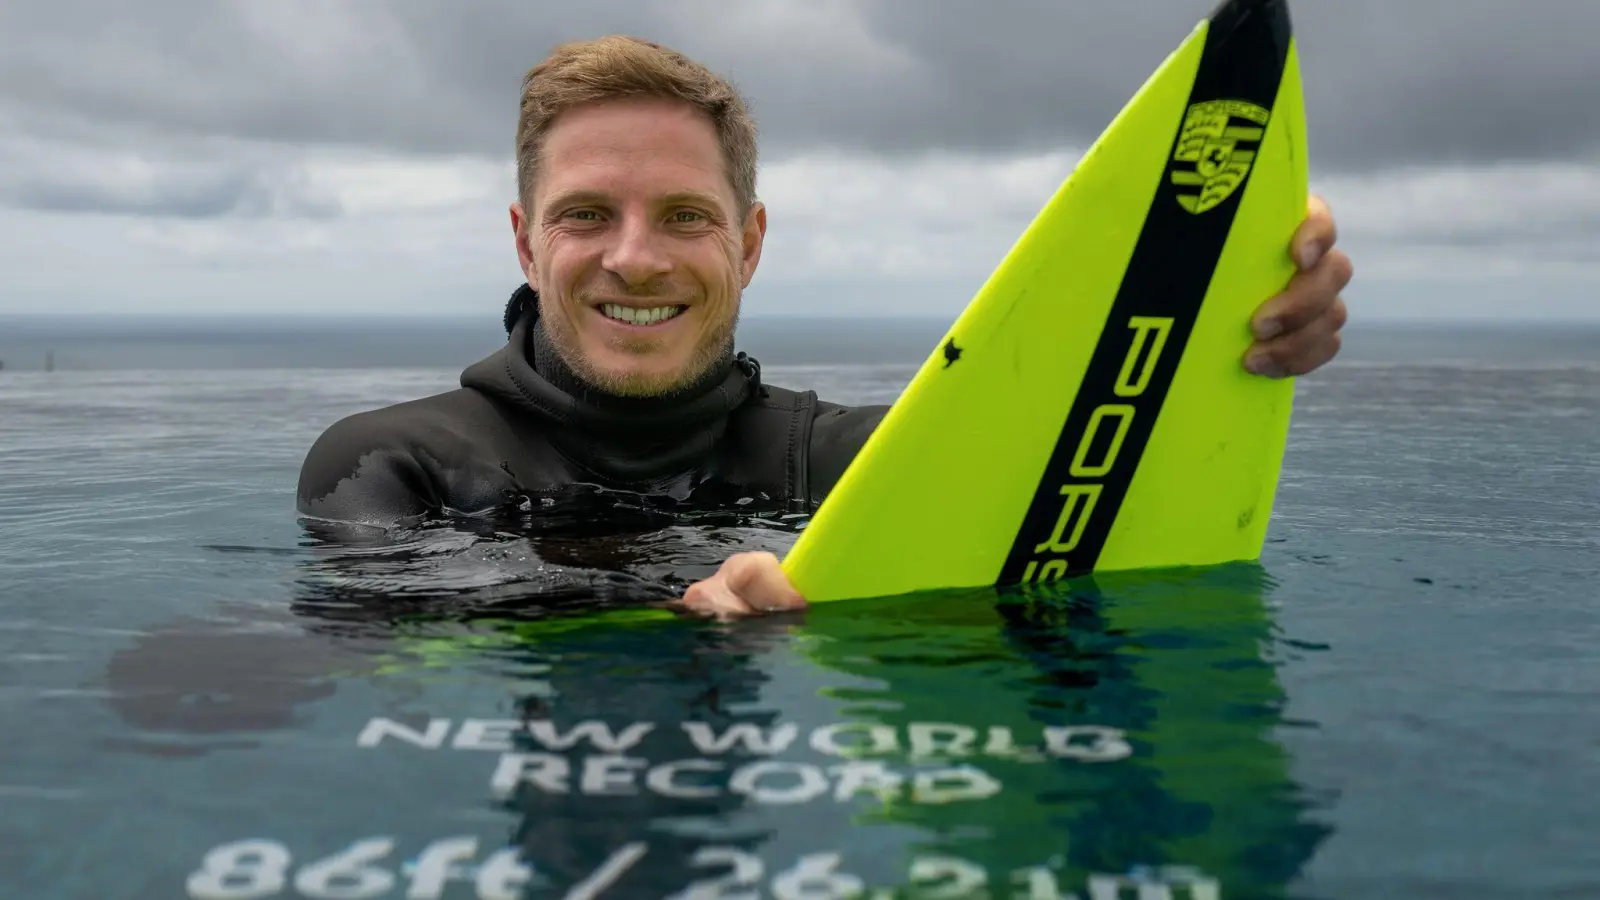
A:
[795, 443]
[838, 433]
[410, 459]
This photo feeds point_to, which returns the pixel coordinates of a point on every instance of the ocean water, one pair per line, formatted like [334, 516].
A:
[200, 698]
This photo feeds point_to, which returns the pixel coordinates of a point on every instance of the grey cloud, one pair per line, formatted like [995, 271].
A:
[345, 74]
[238, 193]
[178, 201]
[1575, 245]
[162, 180]
[1388, 83]
[1575, 228]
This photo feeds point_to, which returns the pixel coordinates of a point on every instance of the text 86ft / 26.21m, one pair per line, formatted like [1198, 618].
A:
[449, 868]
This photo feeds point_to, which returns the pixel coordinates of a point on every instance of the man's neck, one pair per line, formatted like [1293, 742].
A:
[623, 439]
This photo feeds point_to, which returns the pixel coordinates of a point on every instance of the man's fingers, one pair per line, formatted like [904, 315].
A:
[1315, 236]
[1310, 296]
[1297, 331]
[1300, 351]
[758, 579]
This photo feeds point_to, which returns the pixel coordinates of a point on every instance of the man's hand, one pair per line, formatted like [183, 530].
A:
[747, 584]
[1298, 330]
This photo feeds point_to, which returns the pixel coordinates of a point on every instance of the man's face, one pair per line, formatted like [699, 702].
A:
[635, 244]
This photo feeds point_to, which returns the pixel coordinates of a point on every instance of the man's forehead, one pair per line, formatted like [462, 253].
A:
[633, 153]
[631, 126]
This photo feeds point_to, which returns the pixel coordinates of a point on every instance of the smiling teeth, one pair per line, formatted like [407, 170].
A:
[639, 316]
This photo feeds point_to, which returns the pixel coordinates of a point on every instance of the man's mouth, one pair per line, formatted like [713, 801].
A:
[640, 316]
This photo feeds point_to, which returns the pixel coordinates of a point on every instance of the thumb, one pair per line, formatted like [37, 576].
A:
[713, 597]
[758, 580]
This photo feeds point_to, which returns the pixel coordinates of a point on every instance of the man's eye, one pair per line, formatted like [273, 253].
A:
[587, 215]
[688, 215]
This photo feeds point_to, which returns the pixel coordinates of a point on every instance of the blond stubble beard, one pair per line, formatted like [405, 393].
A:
[708, 351]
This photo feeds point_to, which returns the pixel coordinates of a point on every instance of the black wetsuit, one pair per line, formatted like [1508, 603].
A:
[522, 425]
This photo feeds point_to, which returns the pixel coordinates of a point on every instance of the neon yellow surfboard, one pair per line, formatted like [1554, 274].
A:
[1089, 410]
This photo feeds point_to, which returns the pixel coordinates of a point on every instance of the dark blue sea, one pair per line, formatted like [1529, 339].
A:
[199, 698]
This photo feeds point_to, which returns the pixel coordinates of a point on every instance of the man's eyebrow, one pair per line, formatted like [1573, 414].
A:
[699, 197]
[589, 196]
[580, 196]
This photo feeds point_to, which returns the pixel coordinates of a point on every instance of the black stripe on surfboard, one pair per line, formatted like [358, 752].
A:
[1083, 485]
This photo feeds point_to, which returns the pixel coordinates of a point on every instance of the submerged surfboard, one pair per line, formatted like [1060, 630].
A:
[1089, 410]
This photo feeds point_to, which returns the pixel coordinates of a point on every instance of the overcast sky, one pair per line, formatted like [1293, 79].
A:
[307, 156]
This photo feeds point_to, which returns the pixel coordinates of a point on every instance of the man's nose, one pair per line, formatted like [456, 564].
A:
[639, 254]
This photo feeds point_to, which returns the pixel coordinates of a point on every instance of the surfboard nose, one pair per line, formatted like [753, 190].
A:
[1261, 21]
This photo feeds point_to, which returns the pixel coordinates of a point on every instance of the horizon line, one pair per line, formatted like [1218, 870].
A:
[492, 317]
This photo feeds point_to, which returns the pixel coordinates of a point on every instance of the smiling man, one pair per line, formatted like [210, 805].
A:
[637, 228]
[630, 229]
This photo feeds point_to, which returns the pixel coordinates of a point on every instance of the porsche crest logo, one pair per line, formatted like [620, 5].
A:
[1216, 149]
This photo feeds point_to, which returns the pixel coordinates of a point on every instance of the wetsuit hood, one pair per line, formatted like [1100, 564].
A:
[627, 439]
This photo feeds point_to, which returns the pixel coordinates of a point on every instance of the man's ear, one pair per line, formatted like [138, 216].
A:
[520, 230]
[751, 238]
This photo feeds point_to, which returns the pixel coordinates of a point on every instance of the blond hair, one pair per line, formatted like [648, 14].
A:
[619, 66]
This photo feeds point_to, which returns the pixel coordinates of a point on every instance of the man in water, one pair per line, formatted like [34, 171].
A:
[637, 227]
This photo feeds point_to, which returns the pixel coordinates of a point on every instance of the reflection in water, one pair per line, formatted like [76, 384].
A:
[578, 806]
[1042, 743]
[1173, 661]
[191, 684]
